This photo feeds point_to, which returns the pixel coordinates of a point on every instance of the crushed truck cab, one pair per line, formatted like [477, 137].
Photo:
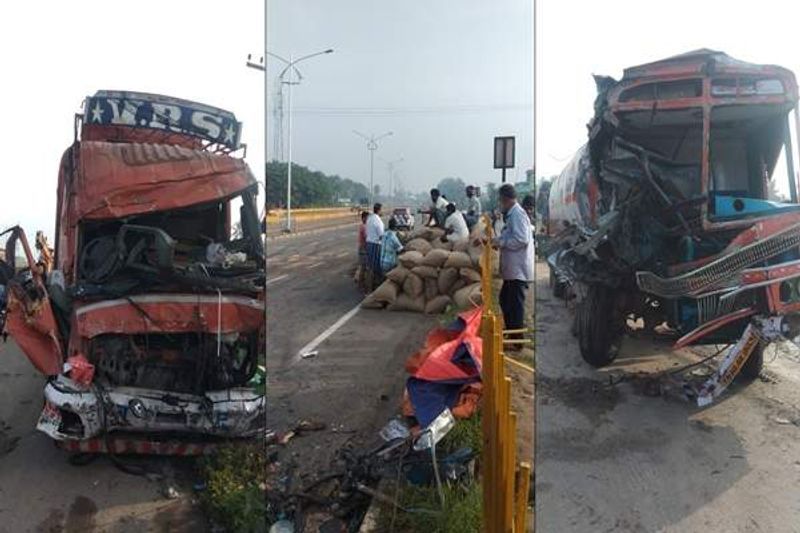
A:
[150, 317]
[665, 216]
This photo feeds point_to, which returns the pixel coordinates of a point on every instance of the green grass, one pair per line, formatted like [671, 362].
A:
[449, 315]
[461, 513]
[466, 433]
[235, 495]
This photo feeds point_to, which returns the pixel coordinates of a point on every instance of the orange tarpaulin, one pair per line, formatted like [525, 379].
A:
[445, 372]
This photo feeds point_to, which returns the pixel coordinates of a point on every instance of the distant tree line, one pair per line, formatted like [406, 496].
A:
[311, 188]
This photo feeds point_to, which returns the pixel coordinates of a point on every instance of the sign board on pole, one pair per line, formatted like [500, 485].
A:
[504, 152]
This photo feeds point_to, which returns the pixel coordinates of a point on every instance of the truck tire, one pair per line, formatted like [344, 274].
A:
[752, 367]
[557, 288]
[595, 326]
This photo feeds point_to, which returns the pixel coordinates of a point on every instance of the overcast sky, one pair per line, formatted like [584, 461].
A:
[576, 39]
[55, 53]
[446, 77]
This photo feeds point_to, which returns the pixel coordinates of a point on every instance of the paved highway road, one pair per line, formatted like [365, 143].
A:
[613, 459]
[354, 382]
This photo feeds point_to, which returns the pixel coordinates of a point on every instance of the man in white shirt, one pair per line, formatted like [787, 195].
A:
[473, 207]
[437, 209]
[374, 236]
[455, 227]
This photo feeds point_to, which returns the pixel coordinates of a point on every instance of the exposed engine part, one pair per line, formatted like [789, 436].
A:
[175, 362]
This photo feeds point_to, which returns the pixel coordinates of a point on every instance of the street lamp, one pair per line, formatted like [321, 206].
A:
[390, 165]
[286, 80]
[372, 145]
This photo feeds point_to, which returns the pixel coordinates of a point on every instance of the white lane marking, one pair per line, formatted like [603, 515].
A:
[315, 265]
[277, 278]
[327, 333]
[342, 254]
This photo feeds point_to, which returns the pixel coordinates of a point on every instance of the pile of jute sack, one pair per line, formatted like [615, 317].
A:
[432, 274]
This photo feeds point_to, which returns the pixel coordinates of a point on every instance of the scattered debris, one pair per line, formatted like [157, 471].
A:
[286, 437]
[309, 425]
[282, 526]
[395, 429]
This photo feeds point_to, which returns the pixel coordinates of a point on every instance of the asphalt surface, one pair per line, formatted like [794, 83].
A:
[40, 491]
[616, 458]
[353, 383]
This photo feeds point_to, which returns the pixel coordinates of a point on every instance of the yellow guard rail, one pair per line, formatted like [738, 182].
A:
[505, 487]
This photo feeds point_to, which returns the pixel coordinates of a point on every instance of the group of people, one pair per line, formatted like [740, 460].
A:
[515, 243]
[378, 248]
[456, 223]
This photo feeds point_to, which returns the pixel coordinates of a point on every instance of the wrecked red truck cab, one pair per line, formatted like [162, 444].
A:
[152, 319]
[667, 217]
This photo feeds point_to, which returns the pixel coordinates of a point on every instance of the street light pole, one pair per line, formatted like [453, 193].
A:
[289, 164]
[390, 165]
[372, 145]
[290, 67]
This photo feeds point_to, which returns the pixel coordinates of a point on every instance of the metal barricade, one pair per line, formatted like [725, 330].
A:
[506, 482]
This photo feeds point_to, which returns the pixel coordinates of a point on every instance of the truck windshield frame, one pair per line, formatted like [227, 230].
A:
[706, 98]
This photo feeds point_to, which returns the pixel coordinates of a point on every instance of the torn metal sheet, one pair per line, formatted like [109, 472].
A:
[175, 313]
[729, 367]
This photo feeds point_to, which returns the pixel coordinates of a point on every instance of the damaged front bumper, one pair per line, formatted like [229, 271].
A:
[74, 413]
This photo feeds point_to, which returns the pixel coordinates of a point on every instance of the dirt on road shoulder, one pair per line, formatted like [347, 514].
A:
[617, 458]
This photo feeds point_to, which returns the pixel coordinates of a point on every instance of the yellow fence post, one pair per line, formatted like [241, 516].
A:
[488, 419]
[523, 486]
[505, 492]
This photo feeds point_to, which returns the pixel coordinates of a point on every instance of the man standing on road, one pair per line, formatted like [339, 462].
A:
[455, 227]
[516, 260]
[437, 209]
[473, 207]
[374, 235]
[362, 251]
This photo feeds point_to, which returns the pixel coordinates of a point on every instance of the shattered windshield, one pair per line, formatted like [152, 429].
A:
[194, 247]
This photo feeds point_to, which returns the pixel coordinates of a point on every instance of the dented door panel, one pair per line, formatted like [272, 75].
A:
[29, 314]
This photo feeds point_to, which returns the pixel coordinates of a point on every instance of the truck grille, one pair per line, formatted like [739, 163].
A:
[711, 306]
[721, 269]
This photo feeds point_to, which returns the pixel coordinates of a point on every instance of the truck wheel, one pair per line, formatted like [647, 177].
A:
[595, 326]
[557, 288]
[752, 367]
